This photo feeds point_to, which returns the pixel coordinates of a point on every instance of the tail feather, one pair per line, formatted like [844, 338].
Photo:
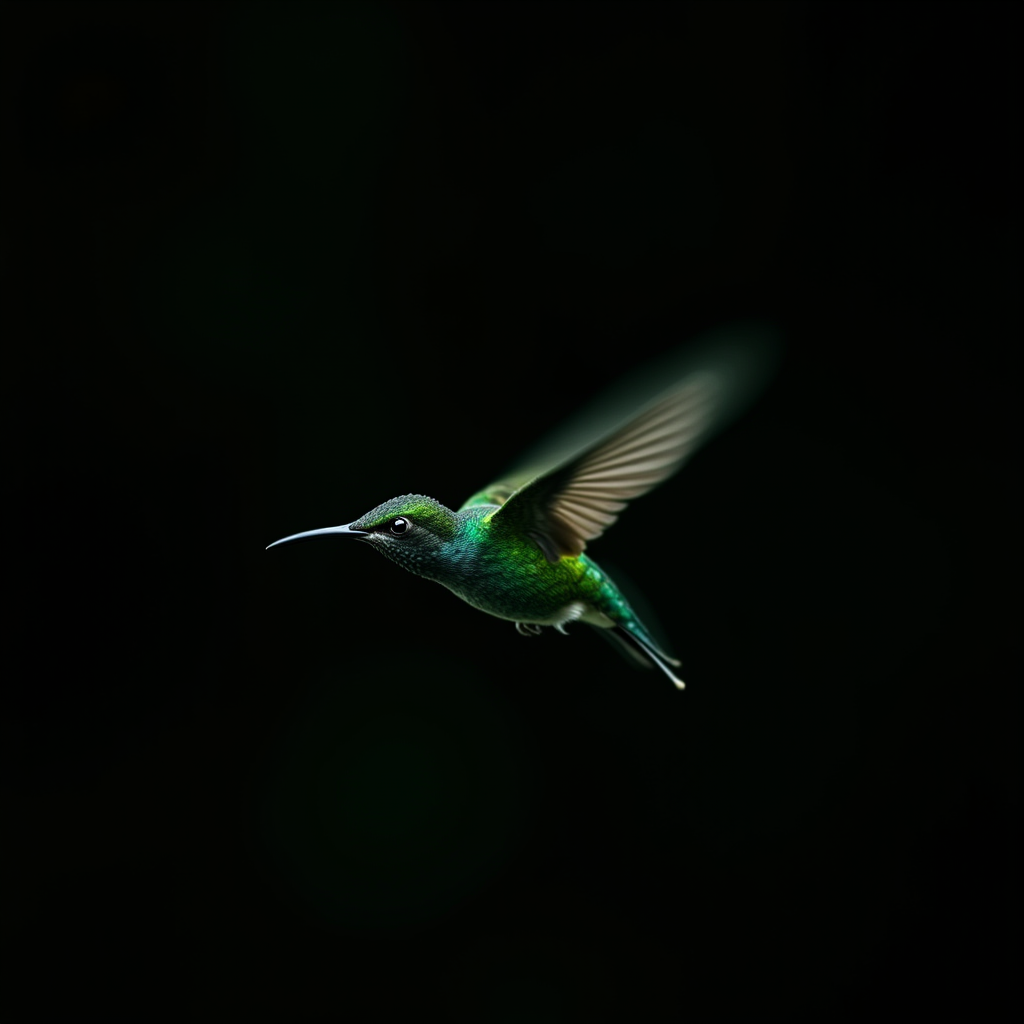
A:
[643, 651]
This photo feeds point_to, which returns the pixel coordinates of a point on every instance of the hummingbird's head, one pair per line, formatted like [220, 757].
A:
[412, 530]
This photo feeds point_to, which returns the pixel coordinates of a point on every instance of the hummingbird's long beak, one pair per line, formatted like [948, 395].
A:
[320, 533]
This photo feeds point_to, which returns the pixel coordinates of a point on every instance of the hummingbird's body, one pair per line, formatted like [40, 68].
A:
[515, 549]
[511, 578]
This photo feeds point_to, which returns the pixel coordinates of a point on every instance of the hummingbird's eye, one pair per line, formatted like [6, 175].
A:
[399, 526]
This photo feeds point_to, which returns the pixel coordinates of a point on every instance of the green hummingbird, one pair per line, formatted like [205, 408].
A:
[516, 549]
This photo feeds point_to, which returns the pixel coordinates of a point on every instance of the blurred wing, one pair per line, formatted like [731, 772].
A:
[576, 502]
[570, 489]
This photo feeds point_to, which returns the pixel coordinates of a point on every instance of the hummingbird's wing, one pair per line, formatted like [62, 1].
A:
[572, 489]
[578, 500]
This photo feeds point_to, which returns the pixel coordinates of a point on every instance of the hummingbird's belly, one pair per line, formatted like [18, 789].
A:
[573, 611]
[537, 592]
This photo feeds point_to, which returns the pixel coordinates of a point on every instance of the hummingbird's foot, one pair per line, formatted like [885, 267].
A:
[528, 629]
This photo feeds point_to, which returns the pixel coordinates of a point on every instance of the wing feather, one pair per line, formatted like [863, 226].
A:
[576, 502]
[570, 492]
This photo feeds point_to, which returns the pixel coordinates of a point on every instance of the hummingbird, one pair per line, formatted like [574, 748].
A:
[517, 548]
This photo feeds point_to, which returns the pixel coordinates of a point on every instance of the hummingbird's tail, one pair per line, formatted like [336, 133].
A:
[643, 650]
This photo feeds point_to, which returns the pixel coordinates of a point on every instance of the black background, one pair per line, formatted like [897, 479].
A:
[265, 266]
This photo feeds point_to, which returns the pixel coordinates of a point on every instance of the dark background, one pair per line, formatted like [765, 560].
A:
[265, 266]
